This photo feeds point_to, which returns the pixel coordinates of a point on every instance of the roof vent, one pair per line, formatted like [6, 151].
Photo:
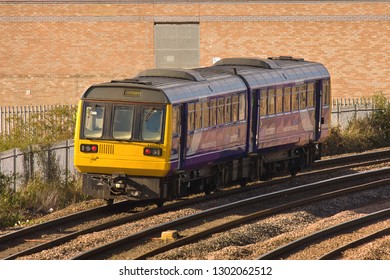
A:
[255, 62]
[186, 74]
[286, 58]
[132, 81]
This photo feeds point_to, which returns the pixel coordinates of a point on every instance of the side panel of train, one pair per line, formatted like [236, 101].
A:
[288, 124]
[291, 124]
[209, 131]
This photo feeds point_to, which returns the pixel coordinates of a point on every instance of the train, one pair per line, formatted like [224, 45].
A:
[167, 133]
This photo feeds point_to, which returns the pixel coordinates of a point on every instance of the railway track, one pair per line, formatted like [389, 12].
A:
[304, 242]
[292, 198]
[53, 233]
[333, 254]
[27, 238]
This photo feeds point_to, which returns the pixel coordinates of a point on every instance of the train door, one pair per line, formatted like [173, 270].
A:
[318, 110]
[179, 131]
[255, 119]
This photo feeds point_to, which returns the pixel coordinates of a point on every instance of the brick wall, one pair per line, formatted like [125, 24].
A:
[50, 53]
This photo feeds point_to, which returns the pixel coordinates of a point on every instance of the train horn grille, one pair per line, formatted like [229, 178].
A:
[106, 149]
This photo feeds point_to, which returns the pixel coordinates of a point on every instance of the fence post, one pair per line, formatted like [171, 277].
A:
[356, 111]
[66, 162]
[1, 120]
[31, 162]
[338, 114]
[48, 174]
[14, 167]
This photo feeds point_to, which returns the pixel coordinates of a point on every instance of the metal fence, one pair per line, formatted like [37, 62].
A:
[345, 110]
[11, 115]
[23, 165]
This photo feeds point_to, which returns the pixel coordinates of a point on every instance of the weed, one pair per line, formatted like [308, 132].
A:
[370, 132]
[9, 203]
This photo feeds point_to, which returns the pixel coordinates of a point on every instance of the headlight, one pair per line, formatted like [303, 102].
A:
[152, 152]
[89, 148]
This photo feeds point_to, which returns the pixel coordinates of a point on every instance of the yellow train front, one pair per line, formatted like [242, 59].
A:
[119, 141]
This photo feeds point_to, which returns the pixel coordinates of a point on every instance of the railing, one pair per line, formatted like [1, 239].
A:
[10, 115]
[345, 110]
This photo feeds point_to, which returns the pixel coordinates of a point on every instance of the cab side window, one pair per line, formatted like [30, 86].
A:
[176, 120]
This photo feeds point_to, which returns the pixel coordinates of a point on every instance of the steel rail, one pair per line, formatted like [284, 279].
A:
[112, 208]
[256, 216]
[368, 238]
[117, 206]
[292, 246]
[18, 238]
[61, 220]
[242, 203]
[371, 155]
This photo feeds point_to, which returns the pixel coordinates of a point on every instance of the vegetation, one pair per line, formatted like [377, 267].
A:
[363, 134]
[43, 129]
[9, 203]
[49, 189]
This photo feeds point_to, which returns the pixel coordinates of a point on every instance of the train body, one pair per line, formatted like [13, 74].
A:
[170, 132]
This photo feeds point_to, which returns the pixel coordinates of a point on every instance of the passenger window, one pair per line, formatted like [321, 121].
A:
[287, 99]
[151, 124]
[221, 111]
[326, 92]
[176, 120]
[271, 101]
[235, 108]
[302, 97]
[279, 100]
[242, 106]
[228, 110]
[93, 122]
[295, 99]
[191, 117]
[263, 102]
[213, 112]
[206, 114]
[123, 122]
[310, 95]
[198, 115]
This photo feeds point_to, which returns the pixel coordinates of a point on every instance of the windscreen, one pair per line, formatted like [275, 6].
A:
[124, 122]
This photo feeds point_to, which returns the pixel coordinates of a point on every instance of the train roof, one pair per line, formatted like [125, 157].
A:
[227, 75]
[273, 71]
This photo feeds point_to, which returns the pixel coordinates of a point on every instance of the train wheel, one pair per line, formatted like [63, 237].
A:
[160, 202]
[109, 201]
[243, 182]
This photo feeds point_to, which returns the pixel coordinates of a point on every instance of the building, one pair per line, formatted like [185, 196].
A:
[51, 51]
